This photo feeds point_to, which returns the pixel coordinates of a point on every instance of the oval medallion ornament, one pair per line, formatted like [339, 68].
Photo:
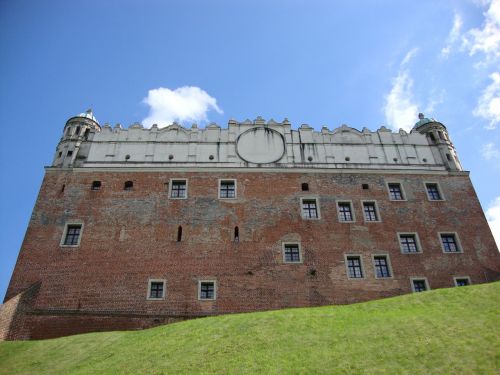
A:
[260, 145]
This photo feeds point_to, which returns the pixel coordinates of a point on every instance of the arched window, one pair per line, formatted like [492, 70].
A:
[129, 185]
[236, 234]
[179, 234]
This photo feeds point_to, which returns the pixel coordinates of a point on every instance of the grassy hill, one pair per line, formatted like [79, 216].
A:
[447, 331]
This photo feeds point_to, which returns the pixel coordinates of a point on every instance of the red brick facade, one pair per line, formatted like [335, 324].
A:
[130, 237]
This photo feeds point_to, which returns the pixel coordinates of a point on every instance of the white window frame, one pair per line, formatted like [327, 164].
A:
[65, 231]
[389, 265]
[455, 278]
[352, 211]
[283, 244]
[363, 272]
[314, 198]
[170, 185]
[439, 190]
[403, 193]
[235, 188]
[377, 211]
[164, 293]
[457, 240]
[199, 289]
[427, 286]
[417, 241]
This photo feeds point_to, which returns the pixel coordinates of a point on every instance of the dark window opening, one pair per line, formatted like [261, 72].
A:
[408, 243]
[72, 234]
[292, 253]
[441, 136]
[462, 282]
[365, 186]
[448, 156]
[68, 131]
[60, 154]
[207, 290]
[382, 266]
[419, 286]
[236, 234]
[69, 153]
[354, 268]
[433, 192]
[178, 189]
[77, 131]
[96, 185]
[179, 234]
[156, 289]
[62, 188]
[395, 192]
[129, 185]
[345, 211]
[310, 209]
[370, 211]
[86, 134]
[305, 186]
[227, 189]
[432, 137]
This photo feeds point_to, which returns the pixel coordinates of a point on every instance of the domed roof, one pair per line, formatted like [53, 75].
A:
[88, 114]
[423, 120]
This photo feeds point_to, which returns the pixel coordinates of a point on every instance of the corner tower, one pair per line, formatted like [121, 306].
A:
[74, 144]
[437, 135]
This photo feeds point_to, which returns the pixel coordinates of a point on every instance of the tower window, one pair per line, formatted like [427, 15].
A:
[432, 137]
[179, 234]
[60, 154]
[77, 131]
[129, 185]
[291, 253]
[178, 189]
[345, 211]
[96, 185]
[86, 134]
[310, 209]
[433, 192]
[206, 290]
[305, 186]
[72, 235]
[69, 153]
[227, 189]
[354, 267]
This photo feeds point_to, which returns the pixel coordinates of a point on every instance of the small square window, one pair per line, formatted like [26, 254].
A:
[72, 235]
[419, 284]
[409, 243]
[305, 186]
[382, 266]
[310, 209]
[70, 153]
[156, 289]
[365, 186]
[395, 191]
[178, 189]
[370, 211]
[462, 281]
[129, 185]
[433, 192]
[291, 253]
[449, 243]
[227, 189]
[354, 267]
[206, 290]
[96, 185]
[345, 211]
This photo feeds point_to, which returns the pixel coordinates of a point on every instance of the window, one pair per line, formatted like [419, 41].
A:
[206, 290]
[450, 243]
[395, 191]
[354, 267]
[77, 131]
[365, 186]
[345, 211]
[236, 234]
[382, 266]
[227, 189]
[72, 235]
[70, 153]
[129, 185]
[156, 289]
[462, 281]
[60, 154]
[179, 234]
[310, 209]
[370, 211]
[419, 284]
[291, 253]
[178, 189]
[433, 192]
[96, 185]
[86, 134]
[305, 186]
[409, 243]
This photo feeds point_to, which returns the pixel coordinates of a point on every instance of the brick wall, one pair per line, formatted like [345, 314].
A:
[130, 237]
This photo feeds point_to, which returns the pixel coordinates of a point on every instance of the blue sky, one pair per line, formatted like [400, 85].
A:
[362, 63]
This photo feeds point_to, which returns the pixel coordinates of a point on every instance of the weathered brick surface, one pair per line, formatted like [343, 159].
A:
[131, 236]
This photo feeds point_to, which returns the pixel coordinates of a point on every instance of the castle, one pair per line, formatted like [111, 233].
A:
[138, 227]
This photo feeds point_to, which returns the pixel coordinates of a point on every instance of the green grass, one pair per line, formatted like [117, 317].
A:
[446, 331]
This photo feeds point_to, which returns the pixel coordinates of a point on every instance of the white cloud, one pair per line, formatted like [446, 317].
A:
[184, 104]
[487, 38]
[452, 36]
[490, 152]
[488, 105]
[493, 217]
[400, 109]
